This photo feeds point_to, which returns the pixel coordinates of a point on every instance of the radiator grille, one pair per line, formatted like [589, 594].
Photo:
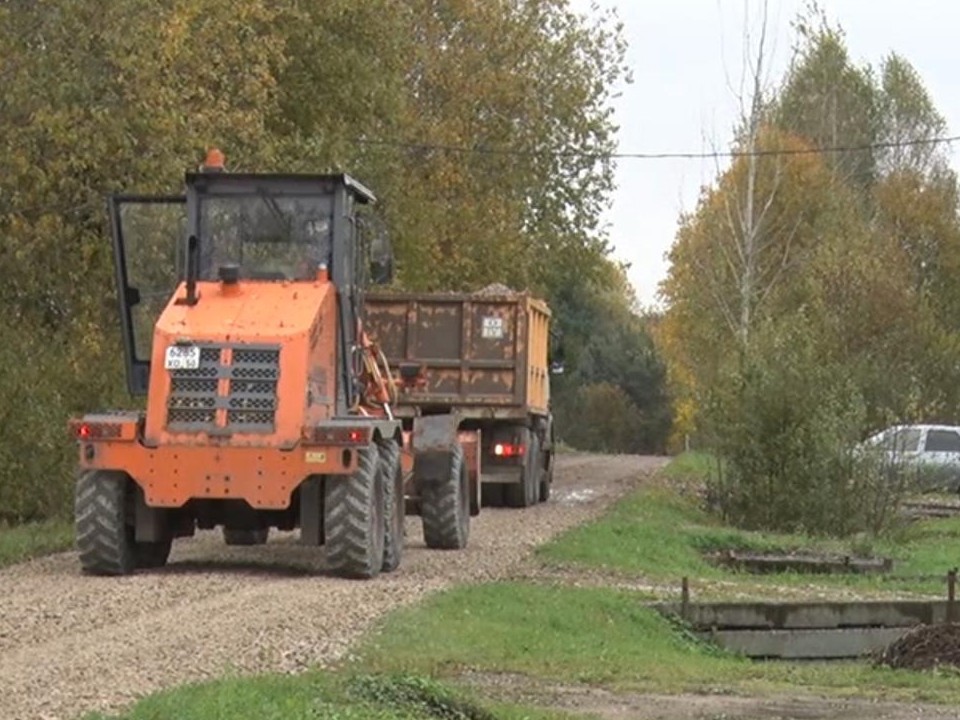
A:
[252, 401]
[251, 397]
[192, 404]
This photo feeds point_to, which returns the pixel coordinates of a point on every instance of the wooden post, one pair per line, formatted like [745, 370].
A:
[952, 596]
[684, 597]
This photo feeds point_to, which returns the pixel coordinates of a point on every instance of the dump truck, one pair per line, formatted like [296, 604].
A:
[265, 403]
[479, 363]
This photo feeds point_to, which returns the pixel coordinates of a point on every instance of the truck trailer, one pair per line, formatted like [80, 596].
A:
[478, 363]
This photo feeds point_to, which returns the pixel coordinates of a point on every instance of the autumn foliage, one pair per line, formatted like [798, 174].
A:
[483, 128]
[812, 294]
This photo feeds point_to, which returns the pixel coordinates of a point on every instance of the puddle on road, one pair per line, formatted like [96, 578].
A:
[576, 497]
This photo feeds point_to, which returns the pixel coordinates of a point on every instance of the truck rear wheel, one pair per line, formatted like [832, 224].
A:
[394, 504]
[526, 492]
[233, 536]
[545, 483]
[491, 495]
[354, 525]
[546, 474]
[106, 538]
[445, 507]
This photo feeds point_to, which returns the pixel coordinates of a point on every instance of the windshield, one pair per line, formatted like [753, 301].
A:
[271, 237]
[898, 439]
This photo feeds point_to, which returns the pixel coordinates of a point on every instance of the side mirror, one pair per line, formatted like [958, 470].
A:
[381, 270]
[557, 366]
[132, 296]
[381, 253]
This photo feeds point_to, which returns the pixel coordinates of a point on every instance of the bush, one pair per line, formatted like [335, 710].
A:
[600, 417]
[46, 378]
[785, 426]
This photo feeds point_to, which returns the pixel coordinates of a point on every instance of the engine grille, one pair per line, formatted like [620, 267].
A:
[192, 404]
[250, 403]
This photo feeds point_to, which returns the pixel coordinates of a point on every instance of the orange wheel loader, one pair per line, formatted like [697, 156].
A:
[266, 405]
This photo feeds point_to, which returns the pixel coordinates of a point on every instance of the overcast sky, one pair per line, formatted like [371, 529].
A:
[681, 51]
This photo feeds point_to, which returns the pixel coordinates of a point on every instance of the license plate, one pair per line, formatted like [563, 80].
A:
[182, 357]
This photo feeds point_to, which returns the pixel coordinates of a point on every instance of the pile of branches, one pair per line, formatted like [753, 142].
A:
[923, 648]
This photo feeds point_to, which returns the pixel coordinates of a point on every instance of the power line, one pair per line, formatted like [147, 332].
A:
[515, 152]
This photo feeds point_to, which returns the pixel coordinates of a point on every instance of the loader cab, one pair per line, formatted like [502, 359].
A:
[276, 227]
[237, 227]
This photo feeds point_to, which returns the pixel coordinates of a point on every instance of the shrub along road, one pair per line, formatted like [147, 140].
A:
[71, 643]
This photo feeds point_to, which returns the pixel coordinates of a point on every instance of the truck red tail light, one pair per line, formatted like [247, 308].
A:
[507, 450]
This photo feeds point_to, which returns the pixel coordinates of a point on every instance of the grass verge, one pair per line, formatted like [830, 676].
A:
[316, 696]
[662, 534]
[600, 635]
[23, 542]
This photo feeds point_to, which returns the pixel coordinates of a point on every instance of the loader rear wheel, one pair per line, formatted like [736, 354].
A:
[353, 518]
[445, 507]
[105, 538]
[232, 536]
[394, 504]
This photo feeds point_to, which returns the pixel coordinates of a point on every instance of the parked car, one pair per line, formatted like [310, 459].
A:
[932, 451]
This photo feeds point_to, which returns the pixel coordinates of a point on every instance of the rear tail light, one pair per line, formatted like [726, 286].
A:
[507, 450]
[326, 435]
[86, 431]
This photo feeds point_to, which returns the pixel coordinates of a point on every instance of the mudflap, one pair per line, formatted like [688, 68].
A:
[431, 445]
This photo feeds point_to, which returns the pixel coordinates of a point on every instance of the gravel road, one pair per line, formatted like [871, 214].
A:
[71, 643]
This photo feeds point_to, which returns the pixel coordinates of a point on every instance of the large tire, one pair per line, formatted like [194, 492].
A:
[546, 481]
[105, 538]
[233, 536]
[546, 475]
[394, 504]
[491, 495]
[445, 507]
[524, 493]
[354, 526]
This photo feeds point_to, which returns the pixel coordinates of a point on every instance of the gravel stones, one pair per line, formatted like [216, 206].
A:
[71, 643]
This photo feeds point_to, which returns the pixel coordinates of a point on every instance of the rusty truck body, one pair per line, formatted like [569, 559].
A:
[476, 363]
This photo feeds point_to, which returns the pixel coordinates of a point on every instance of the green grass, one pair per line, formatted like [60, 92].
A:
[691, 464]
[322, 696]
[599, 635]
[662, 534]
[576, 635]
[23, 542]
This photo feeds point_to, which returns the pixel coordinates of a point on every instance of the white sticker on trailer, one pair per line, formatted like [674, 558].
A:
[492, 328]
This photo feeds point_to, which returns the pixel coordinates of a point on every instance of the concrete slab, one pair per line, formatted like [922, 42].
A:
[804, 644]
[806, 615]
[765, 563]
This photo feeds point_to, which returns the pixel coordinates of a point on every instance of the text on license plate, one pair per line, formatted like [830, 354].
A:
[182, 357]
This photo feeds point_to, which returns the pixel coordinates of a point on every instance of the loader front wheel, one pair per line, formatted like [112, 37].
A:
[394, 504]
[353, 518]
[233, 536]
[105, 538]
[446, 507]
